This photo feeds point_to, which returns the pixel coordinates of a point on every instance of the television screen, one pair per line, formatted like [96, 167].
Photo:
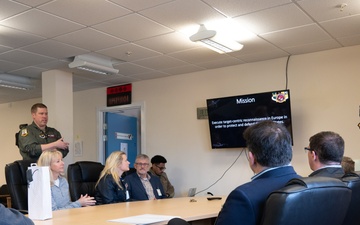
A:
[230, 116]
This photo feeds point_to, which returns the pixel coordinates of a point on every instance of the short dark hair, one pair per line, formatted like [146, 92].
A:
[348, 164]
[158, 159]
[328, 145]
[36, 106]
[270, 143]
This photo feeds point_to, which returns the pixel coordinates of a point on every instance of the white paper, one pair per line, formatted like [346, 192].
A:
[143, 219]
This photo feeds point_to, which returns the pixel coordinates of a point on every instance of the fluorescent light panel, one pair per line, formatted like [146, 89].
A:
[15, 82]
[93, 64]
[214, 41]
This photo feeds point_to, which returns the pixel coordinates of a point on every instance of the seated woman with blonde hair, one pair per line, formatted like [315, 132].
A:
[110, 188]
[60, 195]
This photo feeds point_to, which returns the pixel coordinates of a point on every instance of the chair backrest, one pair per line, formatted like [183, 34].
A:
[177, 221]
[310, 201]
[82, 177]
[130, 171]
[353, 182]
[15, 175]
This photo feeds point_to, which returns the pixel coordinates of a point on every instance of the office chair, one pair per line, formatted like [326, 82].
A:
[177, 221]
[82, 177]
[352, 217]
[310, 201]
[130, 171]
[15, 175]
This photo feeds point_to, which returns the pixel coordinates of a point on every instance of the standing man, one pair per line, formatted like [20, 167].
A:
[157, 169]
[38, 137]
[269, 154]
[325, 152]
[142, 185]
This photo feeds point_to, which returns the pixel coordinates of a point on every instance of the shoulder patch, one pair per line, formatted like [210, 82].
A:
[24, 132]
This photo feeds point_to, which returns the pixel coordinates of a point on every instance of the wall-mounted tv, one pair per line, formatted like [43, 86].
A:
[230, 116]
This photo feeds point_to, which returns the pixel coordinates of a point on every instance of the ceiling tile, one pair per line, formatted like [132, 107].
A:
[79, 10]
[24, 58]
[297, 36]
[234, 8]
[198, 55]
[337, 28]
[273, 19]
[129, 52]
[40, 23]
[183, 69]
[160, 62]
[167, 43]
[9, 8]
[91, 39]
[131, 69]
[133, 27]
[181, 13]
[54, 49]
[322, 10]
[15, 39]
[137, 5]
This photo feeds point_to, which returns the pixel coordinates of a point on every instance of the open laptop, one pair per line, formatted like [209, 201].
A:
[191, 192]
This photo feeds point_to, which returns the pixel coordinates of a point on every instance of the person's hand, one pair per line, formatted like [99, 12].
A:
[62, 144]
[86, 200]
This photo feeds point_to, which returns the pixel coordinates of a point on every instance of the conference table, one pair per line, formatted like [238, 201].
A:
[198, 210]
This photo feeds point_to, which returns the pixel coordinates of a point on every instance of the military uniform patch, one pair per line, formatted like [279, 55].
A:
[24, 132]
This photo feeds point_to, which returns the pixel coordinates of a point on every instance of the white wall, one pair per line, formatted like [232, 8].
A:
[324, 96]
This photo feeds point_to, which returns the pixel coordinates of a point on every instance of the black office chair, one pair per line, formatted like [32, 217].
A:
[352, 217]
[310, 201]
[177, 221]
[130, 171]
[82, 177]
[15, 175]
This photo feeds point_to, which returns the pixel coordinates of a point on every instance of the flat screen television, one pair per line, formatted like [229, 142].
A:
[230, 116]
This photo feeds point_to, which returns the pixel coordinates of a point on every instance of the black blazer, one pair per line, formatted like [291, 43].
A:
[107, 191]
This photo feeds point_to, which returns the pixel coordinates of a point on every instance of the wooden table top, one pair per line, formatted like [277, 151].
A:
[188, 208]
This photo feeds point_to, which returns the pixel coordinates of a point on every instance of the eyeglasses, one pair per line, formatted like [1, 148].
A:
[142, 164]
[161, 168]
[308, 149]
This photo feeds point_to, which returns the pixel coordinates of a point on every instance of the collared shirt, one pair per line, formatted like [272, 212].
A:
[267, 170]
[148, 187]
[330, 166]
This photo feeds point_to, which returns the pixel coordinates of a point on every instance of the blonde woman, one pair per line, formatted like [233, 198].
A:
[60, 195]
[110, 188]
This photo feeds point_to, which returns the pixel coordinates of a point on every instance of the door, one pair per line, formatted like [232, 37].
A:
[105, 148]
[121, 132]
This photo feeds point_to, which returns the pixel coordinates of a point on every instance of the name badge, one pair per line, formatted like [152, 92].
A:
[159, 192]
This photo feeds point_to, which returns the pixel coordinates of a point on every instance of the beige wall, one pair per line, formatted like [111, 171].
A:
[324, 96]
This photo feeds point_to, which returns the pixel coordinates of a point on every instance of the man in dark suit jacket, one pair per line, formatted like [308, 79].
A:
[325, 153]
[269, 153]
[142, 185]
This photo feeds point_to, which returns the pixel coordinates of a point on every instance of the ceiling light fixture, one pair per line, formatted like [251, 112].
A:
[214, 41]
[15, 82]
[94, 64]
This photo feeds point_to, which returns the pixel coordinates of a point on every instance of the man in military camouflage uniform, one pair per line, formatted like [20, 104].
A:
[38, 137]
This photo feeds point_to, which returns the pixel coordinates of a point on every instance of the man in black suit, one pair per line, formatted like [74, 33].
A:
[325, 152]
[269, 153]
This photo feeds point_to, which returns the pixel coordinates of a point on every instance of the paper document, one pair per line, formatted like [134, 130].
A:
[143, 219]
